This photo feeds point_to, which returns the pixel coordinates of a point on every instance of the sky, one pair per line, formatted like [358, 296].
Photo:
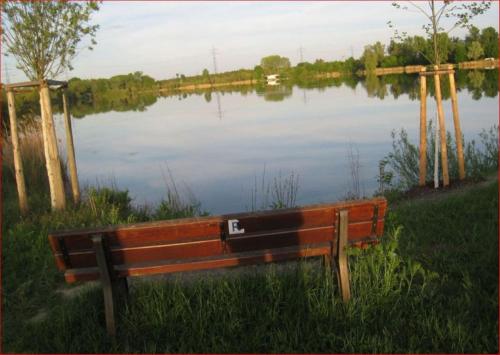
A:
[163, 38]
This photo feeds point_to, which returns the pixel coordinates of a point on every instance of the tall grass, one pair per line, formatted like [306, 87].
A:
[177, 204]
[354, 192]
[481, 157]
[280, 192]
[33, 160]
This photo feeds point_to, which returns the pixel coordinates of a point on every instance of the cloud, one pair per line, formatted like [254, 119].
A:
[164, 38]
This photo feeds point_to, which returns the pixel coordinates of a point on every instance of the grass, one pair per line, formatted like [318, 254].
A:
[431, 286]
[436, 267]
[280, 192]
[481, 158]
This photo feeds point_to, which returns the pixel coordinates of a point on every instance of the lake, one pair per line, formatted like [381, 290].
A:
[219, 146]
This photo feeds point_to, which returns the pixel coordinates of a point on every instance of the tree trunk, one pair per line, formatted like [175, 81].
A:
[70, 150]
[423, 130]
[16, 152]
[442, 129]
[456, 123]
[52, 160]
[434, 33]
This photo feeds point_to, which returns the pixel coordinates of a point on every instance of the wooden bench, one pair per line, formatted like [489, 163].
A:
[112, 254]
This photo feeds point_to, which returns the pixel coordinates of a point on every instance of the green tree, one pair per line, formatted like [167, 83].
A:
[373, 56]
[379, 50]
[369, 58]
[489, 41]
[205, 74]
[44, 36]
[258, 72]
[274, 64]
[459, 53]
[475, 51]
[474, 35]
[462, 13]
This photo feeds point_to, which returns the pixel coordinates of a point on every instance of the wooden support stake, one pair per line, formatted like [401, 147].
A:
[436, 154]
[53, 162]
[16, 151]
[423, 130]
[458, 130]
[343, 268]
[75, 187]
[442, 130]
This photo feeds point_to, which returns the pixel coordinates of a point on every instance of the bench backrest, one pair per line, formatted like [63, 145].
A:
[207, 242]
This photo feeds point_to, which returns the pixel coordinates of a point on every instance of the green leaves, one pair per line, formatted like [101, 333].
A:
[274, 63]
[44, 35]
[434, 13]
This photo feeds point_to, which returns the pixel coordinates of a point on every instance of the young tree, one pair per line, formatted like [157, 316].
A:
[435, 13]
[43, 37]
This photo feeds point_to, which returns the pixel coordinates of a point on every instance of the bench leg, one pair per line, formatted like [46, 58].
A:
[111, 286]
[327, 260]
[342, 267]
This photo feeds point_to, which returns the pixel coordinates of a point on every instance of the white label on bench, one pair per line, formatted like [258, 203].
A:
[234, 227]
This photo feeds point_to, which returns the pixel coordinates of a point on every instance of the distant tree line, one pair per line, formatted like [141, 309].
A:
[418, 50]
[121, 91]
[90, 90]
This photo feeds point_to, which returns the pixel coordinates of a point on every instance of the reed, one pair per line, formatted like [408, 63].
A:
[481, 158]
[279, 192]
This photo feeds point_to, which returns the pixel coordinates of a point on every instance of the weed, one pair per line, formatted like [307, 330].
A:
[480, 159]
[354, 192]
[281, 192]
[177, 205]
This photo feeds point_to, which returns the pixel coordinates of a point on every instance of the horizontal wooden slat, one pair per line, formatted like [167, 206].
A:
[201, 237]
[146, 236]
[187, 228]
[212, 247]
[264, 256]
[205, 248]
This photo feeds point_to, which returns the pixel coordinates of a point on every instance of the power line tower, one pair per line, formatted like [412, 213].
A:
[217, 95]
[214, 55]
[301, 53]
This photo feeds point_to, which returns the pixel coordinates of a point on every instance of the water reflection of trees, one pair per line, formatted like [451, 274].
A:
[118, 103]
[274, 92]
[479, 83]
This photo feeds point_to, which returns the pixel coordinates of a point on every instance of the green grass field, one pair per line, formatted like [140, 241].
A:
[431, 286]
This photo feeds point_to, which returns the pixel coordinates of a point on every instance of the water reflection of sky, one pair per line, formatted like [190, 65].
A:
[308, 133]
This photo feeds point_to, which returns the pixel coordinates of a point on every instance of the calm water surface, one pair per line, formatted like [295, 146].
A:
[216, 148]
